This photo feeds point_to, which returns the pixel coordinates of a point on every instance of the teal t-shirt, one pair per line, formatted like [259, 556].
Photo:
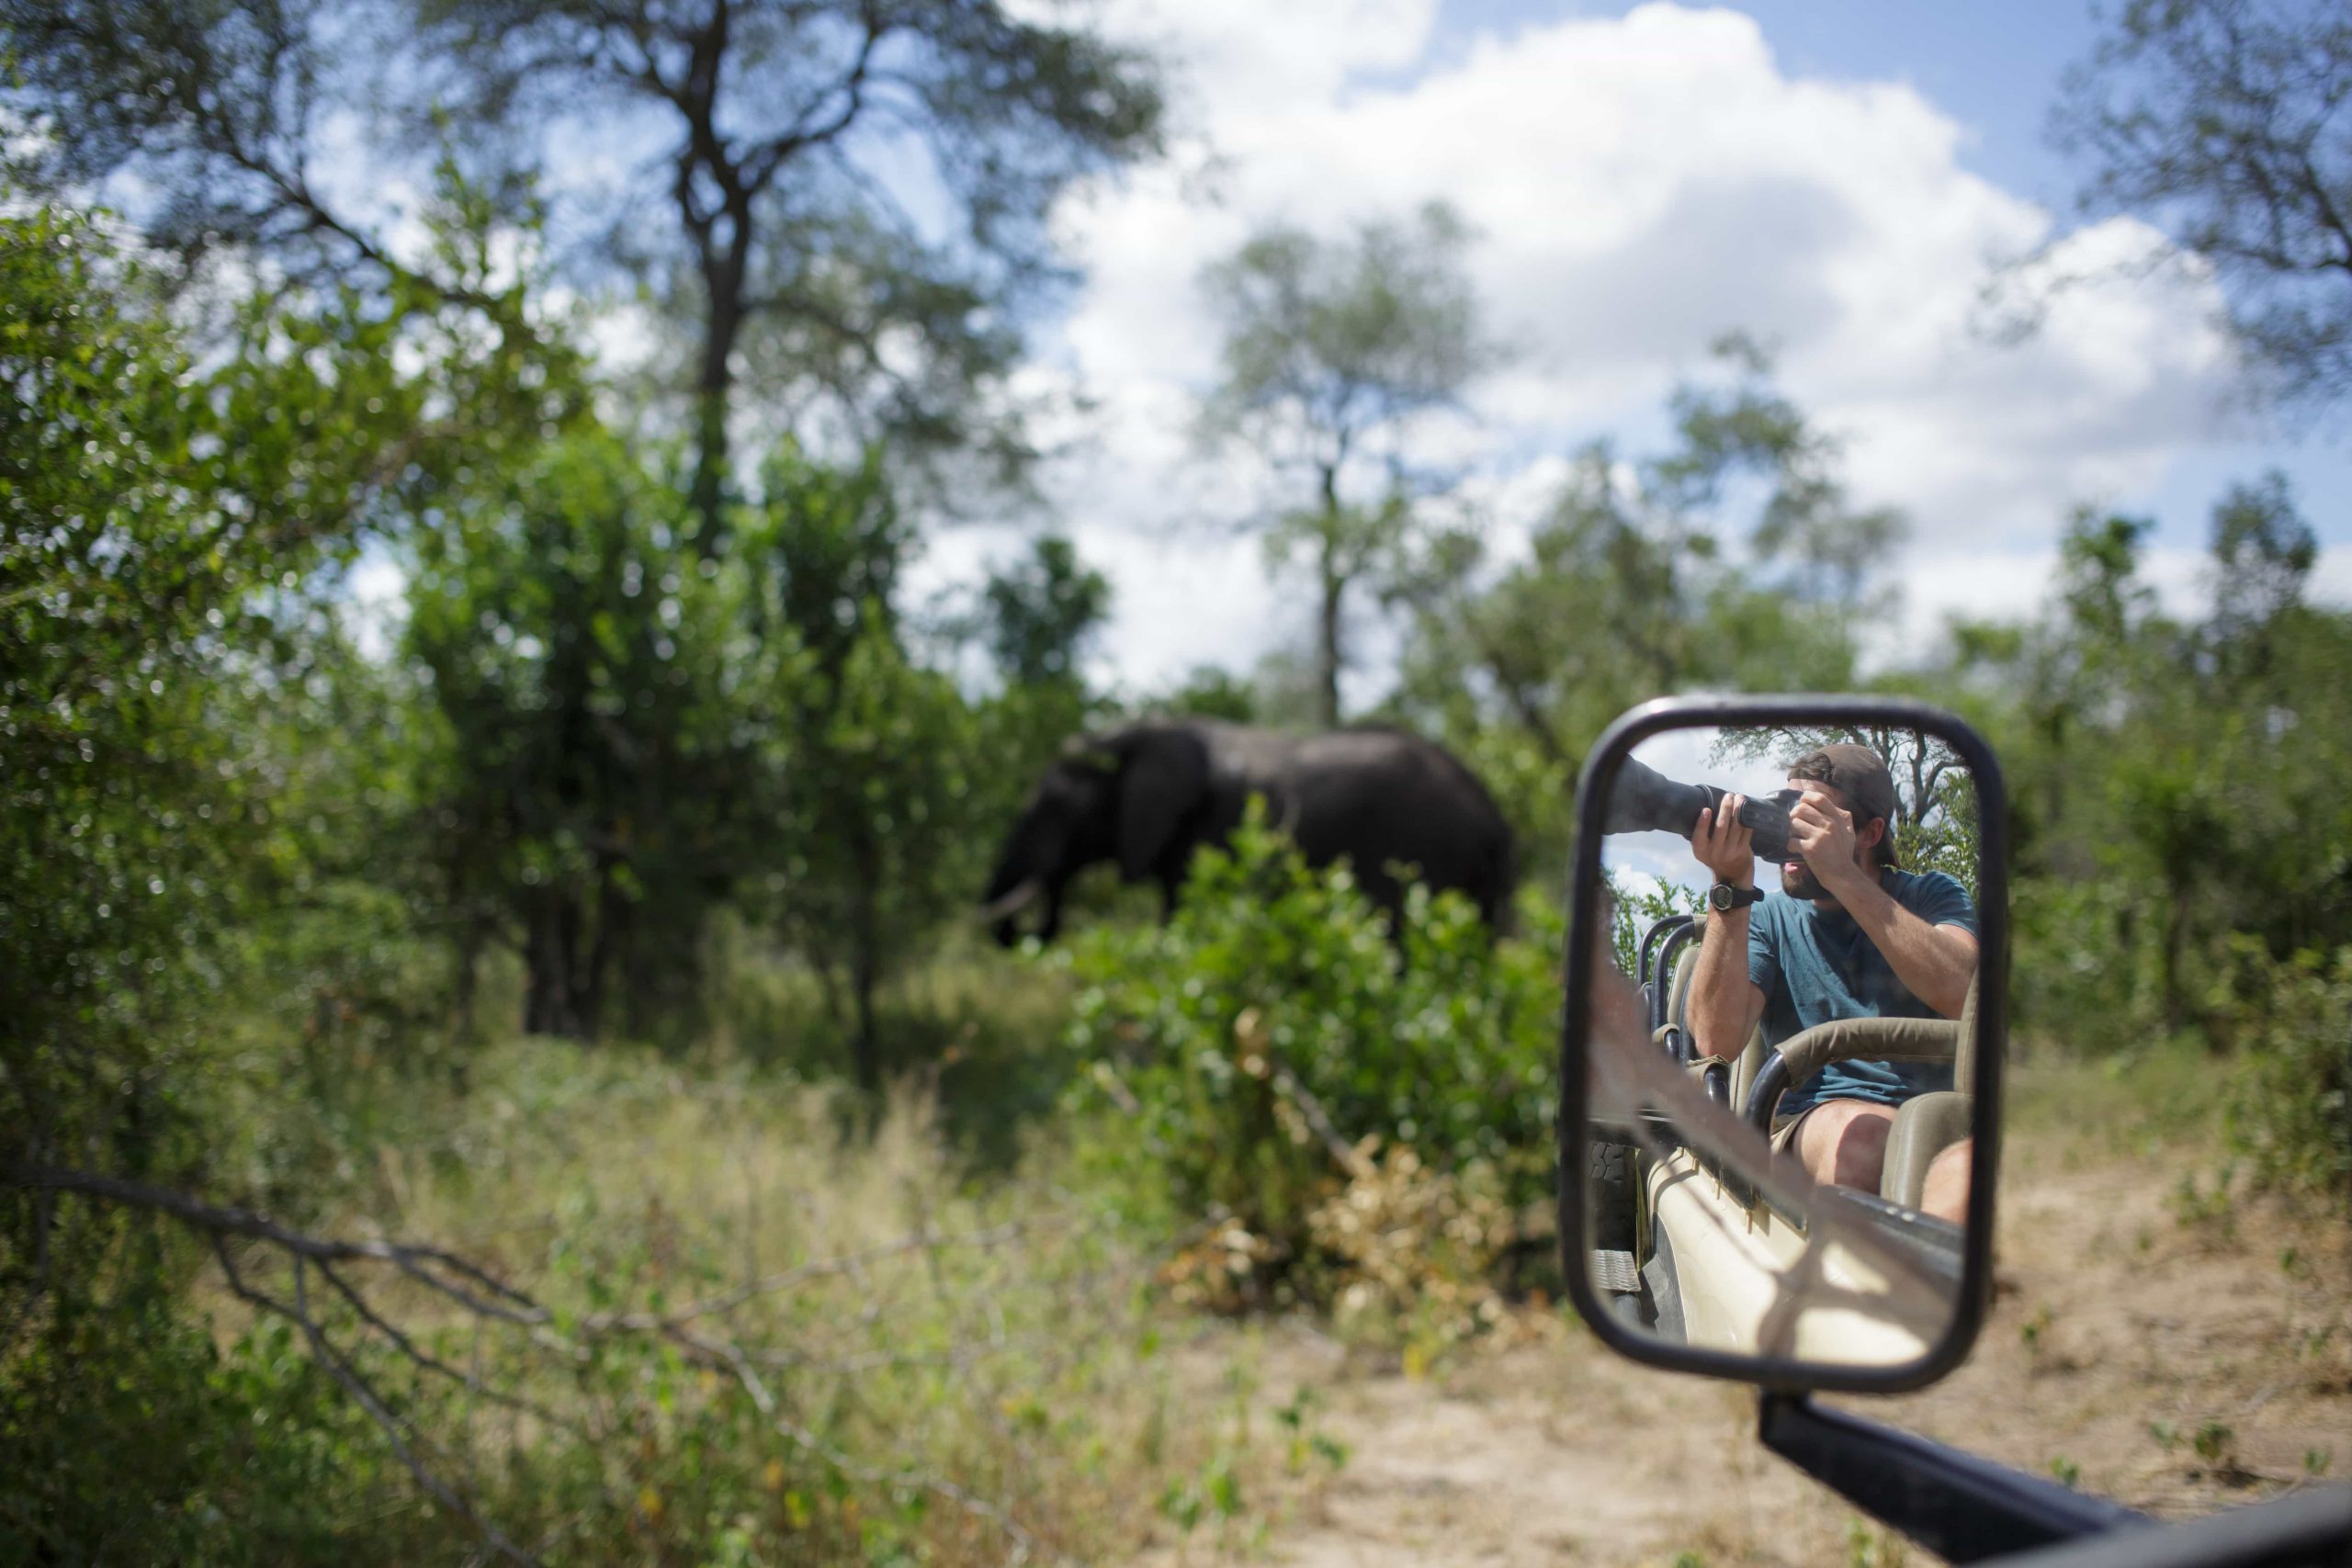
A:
[1815, 965]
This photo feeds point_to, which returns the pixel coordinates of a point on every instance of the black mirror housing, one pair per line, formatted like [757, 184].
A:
[1587, 935]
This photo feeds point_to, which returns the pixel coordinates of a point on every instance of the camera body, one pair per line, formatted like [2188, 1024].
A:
[1643, 800]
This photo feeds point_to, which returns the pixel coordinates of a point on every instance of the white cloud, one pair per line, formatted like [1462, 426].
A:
[1640, 185]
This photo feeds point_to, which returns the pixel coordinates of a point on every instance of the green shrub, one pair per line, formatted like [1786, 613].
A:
[1260, 1045]
[2290, 1107]
[125, 1436]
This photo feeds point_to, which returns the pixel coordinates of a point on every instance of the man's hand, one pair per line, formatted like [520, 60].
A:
[1821, 831]
[1724, 845]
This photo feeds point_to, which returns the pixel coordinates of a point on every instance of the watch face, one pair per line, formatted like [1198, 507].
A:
[1721, 896]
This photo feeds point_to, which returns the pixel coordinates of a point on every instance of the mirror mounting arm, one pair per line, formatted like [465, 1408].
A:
[1954, 1503]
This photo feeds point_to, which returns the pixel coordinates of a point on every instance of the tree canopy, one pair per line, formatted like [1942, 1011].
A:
[1330, 350]
[2227, 125]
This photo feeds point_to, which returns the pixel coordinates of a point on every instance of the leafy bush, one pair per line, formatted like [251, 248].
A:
[2290, 1107]
[765, 1342]
[129, 1436]
[1258, 1048]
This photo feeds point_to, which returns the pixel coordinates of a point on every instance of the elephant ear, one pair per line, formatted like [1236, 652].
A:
[1163, 776]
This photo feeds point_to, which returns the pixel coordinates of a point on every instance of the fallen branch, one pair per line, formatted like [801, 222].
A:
[364, 1394]
[457, 1280]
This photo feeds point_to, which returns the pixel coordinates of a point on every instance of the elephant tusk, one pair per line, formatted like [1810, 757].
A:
[1012, 902]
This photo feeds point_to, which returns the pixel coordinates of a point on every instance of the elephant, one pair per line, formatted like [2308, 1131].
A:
[1149, 795]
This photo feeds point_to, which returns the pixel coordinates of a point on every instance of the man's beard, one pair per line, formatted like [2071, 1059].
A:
[1798, 882]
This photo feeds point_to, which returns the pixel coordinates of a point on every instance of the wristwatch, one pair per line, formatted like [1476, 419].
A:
[1723, 897]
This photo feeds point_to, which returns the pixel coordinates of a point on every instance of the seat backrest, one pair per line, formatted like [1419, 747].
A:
[1750, 1063]
[1928, 1125]
[1678, 996]
[1963, 1061]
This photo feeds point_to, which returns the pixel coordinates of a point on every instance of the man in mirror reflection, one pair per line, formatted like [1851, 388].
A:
[1850, 934]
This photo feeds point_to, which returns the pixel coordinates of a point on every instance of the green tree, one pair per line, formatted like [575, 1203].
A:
[812, 266]
[129, 816]
[1212, 692]
[226, 114]
[784, 218]
[1630, 589]
[173, 536]
[1043, 612]
[870, 796]
[2171, 779]
[2227, 125]
[1331, 351]
[584, 772]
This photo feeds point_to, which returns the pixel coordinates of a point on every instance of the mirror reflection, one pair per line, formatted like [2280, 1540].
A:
[1784, 1034]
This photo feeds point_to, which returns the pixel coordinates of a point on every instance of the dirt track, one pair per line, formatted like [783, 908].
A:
[2120, 1336]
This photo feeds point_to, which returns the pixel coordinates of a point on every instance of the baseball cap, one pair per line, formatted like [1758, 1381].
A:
[1860, 775]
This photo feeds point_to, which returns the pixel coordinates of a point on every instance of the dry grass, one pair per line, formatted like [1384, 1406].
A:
[961, 1372]
[2128, 1323]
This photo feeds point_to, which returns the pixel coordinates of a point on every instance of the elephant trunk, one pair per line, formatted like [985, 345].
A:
[1002, 908]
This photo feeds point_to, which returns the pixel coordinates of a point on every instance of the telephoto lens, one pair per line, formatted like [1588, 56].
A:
[1643, 800]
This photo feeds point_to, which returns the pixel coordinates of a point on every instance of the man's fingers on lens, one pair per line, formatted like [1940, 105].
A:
[1824, 808]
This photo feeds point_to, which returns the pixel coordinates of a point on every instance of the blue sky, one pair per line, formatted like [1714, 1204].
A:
[1842, 180]
[1994, 65]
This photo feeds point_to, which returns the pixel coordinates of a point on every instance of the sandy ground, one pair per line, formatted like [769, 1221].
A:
[2120, 1337]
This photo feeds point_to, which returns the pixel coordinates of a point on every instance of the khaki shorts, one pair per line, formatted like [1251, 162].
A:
[1784, 1135]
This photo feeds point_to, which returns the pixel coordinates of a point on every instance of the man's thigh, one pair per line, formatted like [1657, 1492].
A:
[1843, 1141]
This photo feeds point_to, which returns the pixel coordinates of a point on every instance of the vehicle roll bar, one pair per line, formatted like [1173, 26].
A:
[1808, 1051]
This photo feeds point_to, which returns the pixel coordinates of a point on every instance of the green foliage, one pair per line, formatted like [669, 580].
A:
[1273, 1013]
[131, 816]
[1209, 692]
[1043, 612]
[2222, 123]
[2290, 1107]
[2173, 786]
[874, 836]
[1629, 593]
[1631, 912]
[1328, 350]
[579, 763]
[171, 668]
[247, 1454]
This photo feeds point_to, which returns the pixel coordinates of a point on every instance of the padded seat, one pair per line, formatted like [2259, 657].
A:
[1927, 1125]
[1678, 1015]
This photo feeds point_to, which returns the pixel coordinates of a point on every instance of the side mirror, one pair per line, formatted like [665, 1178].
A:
[1779, 1115]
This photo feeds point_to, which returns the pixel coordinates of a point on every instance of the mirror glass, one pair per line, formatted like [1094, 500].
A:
[1782, 1040]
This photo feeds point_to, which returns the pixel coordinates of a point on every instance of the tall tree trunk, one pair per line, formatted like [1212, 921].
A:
[2176, 986]
[726, 249]
[866, 963]
[557, 995]
[1327, 648]
[867, 1046]
[1335, 587]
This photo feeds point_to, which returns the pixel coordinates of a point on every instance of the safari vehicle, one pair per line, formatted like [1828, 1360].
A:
[1688, 1244]
[1737, 1240]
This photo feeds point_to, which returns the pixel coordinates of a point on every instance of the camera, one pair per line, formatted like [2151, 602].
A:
[1645, 800]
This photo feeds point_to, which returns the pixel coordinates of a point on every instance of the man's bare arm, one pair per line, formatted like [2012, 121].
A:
[1725, 1003]
[1936, 962]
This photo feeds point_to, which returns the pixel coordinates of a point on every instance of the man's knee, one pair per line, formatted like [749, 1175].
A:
[1945, 1194]
[1843, 1142]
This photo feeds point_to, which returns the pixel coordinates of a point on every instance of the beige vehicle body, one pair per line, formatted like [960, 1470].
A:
[1824, 1276]
[1754, 1282]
